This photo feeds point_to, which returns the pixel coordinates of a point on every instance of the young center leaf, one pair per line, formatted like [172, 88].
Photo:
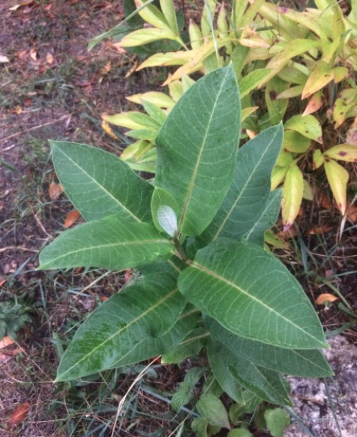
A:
[100, 184]
[164, 211]
[303, 363]
[250, 189]
[146, 309]
[197, 149]
[109, 243]
[252, 294]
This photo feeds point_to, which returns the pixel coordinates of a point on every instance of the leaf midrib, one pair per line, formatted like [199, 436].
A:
[99, 185]
[235, 286]
[152, 308]
[122, 243]
[202, 148]
[243, 189]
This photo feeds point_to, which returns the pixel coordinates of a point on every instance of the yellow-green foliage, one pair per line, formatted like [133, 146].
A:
[295, 66]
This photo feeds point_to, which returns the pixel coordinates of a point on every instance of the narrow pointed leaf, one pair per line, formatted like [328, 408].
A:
[145, 36]
[337, 177]
[250, 188]
[197, 148]
[100, 184]
[321, 76]
[303, 363]
[168, 8]
[252, 294]
[153, 15]
[148, 308]
[292, 195]
[266, 220]
[109, 243]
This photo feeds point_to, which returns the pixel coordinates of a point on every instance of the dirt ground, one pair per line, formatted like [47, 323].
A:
[52, 88]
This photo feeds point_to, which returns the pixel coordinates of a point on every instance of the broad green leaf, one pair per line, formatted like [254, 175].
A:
[199, 427]
[197, 149]
[252, 294]
[250, 188]
[320, 77]
[184, 393]
[108, 243]
[252, 80]
[263, 383]
[174, 266]
[161, 198]
[277, 421]
[145, 36]
[240, 432]
[307, 126]
[303, 363]
[148, 308]
[266, 220]
[100, 184]
[295, 142]
[223, 374]
[343, 152]
[249, 406]
[337, 177]
[189, 347]
[168, 8]
[213, 410]
[150, 347]
[292, 195]
[160, 99]
[167, 219]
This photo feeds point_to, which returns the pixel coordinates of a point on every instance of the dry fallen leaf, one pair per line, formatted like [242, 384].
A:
[325, 297]
[55, 190]
[320, 229]
[132, 69]
[4, 59]
[19, 414]
[6, 341]
[251, 134]
[108, 130]
[49, 58]
[71, 218]
[33, 54]
[18, 109]
[21, 5]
